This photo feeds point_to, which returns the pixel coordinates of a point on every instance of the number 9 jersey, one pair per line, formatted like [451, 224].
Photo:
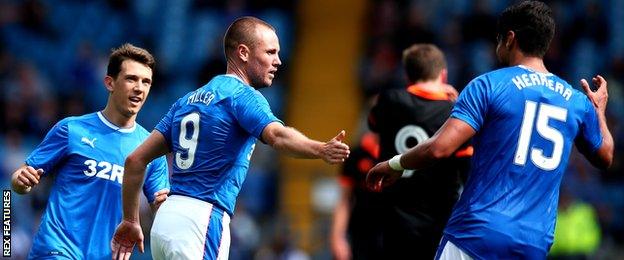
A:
[212, 132]
[526, 123]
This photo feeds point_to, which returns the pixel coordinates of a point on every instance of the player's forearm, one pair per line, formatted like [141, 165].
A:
[341, 216]
[295, 144]
[132, 182]
[422, 155]
[452, 135]
[605, 152]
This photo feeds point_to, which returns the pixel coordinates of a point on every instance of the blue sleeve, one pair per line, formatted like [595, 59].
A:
[52, 149]
[156, 178]
[252, 111]
[164, 126]
[472, 104]
[589, 136]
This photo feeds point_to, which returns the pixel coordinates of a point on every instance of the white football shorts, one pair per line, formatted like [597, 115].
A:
[449, 251]
[188, 228]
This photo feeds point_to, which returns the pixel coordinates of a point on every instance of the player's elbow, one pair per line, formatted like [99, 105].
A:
[271, 139]
[438, 154]
[608, 163]
[438, 151]
[607, 160]
[135, 160]
[271, 134]
[279, 137]
[605, 153]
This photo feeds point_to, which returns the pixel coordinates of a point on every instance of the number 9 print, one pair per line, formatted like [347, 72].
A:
[400, 141]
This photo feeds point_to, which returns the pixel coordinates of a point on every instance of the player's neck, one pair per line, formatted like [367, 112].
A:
[234, 69]
[534, 63]
[118, 119]
[429, 85]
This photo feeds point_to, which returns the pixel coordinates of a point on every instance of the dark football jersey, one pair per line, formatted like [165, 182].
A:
[420, 202]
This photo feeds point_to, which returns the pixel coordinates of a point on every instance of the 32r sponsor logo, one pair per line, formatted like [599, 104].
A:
[105, 170]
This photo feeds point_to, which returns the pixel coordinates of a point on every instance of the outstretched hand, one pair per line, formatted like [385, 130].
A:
[126, 236]
[381, 176]
[599, 97]
[335, 151]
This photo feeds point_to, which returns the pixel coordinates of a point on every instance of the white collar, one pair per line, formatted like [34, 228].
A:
[113, 126]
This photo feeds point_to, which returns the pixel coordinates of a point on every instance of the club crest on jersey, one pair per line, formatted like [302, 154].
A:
[89, 142]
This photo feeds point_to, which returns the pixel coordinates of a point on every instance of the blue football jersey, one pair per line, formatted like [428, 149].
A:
[212, 132]
[526, 124]
[86, 156]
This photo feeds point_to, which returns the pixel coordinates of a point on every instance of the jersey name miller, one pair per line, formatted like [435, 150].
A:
[201, 96]
[105, 170]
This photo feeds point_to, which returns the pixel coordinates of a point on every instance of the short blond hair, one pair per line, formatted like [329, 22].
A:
[242, 31]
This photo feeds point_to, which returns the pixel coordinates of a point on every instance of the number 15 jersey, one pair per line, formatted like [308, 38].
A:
[212, 132]
[526, 123]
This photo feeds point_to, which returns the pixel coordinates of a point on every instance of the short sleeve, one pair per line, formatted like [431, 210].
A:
[472, 104]
[164, 126]
[52, 149]
[156, 178]
[252, 111]
[589, 137]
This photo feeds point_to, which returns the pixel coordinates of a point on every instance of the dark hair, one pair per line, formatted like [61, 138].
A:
[128, 51]
[423, 62]
[242, 31]
[533, 25]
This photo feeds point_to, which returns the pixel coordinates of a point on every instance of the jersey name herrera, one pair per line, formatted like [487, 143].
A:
[540, 79]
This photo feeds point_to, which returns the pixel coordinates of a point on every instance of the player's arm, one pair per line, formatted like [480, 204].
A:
[50, 152]
[156, 186]
[128, 232]
[134, 172]
[603, 157]
[339, 244]
[295, 144]
[453, 134]
[24, 178]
